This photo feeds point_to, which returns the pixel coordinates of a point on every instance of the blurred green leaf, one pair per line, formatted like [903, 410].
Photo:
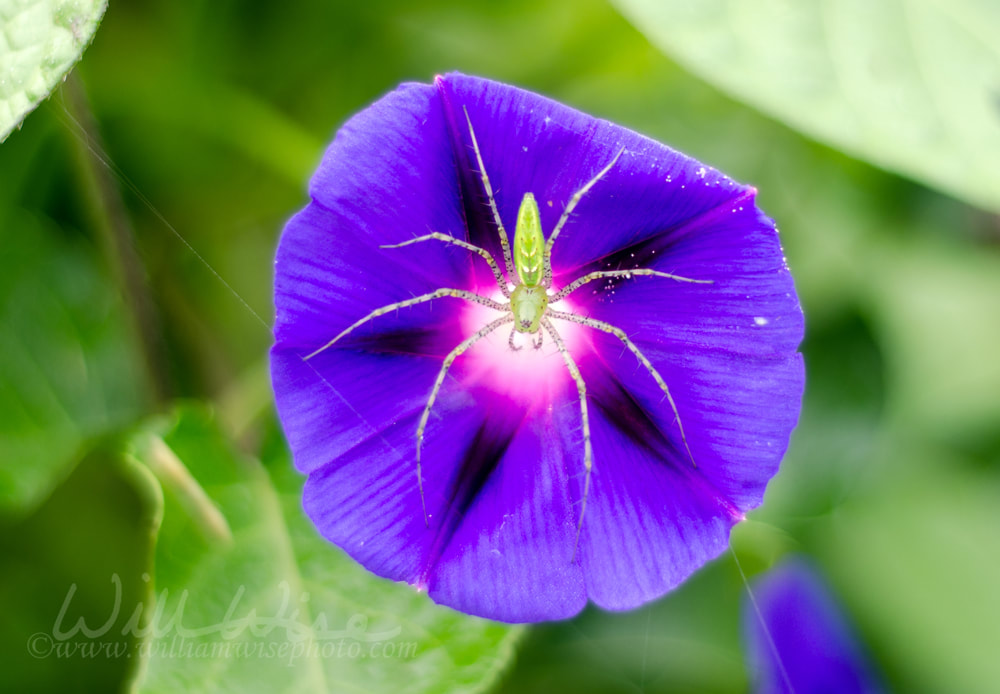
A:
[261, 601]
[688, 642]
[912, 86]
[938, 302]
[918, 562]
[40, 40]
[66, 374]
[80, 559]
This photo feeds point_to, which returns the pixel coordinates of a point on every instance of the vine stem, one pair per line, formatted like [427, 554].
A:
[110, 219]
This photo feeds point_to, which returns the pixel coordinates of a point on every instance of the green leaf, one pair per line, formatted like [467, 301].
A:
[71, 577]
[66, 373]
[918, 563]
[40, 40]
[911, 86]
[257, 599]
[937, 306]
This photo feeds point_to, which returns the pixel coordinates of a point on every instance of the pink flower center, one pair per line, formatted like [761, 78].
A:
[528, 376]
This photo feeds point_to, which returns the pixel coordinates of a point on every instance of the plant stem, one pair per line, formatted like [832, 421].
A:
[114, 228]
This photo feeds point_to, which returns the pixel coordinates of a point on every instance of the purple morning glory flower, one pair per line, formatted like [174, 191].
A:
[800, 642]
[528, 357]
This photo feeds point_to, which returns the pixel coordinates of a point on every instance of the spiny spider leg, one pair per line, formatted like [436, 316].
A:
[504, 241]
[536, 341]
[620, 334]
[576, 284]
[452, 356]
[510, 341]
[438, 236]
[437, 294]
[570, 206]
[581, 389]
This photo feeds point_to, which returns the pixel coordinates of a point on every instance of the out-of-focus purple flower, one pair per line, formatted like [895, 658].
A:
[503, 521]
[800, 642]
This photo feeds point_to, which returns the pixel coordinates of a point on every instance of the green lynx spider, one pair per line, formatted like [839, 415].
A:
[529, 305]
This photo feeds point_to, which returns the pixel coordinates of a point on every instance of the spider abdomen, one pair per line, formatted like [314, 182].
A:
[529, 243]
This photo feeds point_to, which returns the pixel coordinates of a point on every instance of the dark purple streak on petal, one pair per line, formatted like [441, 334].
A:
[647, 528]
[631, 419]
[478, 461]
[636, 423]
[737, 411]
[511, 557]
[750, 308]
[388, 177]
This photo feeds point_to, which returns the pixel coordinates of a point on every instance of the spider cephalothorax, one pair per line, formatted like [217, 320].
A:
[527, 287]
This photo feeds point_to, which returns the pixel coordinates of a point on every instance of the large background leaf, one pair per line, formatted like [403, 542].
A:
[910, 85]
[312, 619]
[40, 40]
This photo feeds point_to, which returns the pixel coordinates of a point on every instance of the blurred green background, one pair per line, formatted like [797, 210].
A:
[215, 114]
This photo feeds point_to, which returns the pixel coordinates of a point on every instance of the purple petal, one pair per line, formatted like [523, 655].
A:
[817, 650]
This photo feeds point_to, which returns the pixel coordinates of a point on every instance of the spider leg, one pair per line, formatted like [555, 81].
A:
[620, 334]
[536, 341]
[437, 294]
[504, 241]
[438, 236]
[570, 206]
[581, 389]
[510, 341]
[576, 284]
[448, 361]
